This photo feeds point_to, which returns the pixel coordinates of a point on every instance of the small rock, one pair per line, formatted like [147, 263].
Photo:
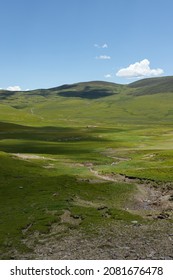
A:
[102, 208]
[163, 216]
[134, 222]
[56, 194]
[76, 216]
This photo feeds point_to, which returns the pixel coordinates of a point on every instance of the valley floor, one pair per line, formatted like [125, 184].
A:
[86, 193]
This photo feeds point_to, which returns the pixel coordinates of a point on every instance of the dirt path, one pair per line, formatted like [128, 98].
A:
[31, 156]
[103, 177]
[154, 199]
[32, 112]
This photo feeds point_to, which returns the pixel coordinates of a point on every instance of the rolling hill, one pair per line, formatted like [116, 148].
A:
[148, 100]
[153, 85]
[85, 159]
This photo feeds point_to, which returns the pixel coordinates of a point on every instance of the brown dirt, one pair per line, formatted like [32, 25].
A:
[119, 241]
[151, 197]
[30, 156]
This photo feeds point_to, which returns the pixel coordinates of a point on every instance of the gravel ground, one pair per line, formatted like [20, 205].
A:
[120, 241]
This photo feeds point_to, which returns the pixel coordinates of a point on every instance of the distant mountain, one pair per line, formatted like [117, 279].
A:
[99, 89]
[152, 85]
[89, 90]
[142, 102]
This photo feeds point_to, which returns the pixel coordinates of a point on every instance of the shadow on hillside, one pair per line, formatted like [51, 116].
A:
[45, 148]
[88, 93]
[6, 94]
[53, 140]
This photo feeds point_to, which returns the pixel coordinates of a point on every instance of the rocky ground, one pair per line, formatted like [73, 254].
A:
[152, 239]
[120, 241]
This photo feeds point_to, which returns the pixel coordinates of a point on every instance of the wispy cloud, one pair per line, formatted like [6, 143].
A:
[139, 69]
[103, 57]
[107, 76]
[104, 46]
[14, 88]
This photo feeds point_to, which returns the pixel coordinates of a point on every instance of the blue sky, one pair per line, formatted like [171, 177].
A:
[46, 43]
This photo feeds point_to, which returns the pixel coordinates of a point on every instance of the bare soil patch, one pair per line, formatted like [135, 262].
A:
[31, 156]
[66, 217]
[119, 241]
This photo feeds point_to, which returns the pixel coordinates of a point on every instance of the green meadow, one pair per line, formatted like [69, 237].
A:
[55, 144]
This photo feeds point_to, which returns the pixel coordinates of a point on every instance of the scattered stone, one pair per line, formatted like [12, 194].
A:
[76, 216]
[102, 208]
[56, 194]
[106, 215]
[88, 164]
[134, 222]
[163, 216]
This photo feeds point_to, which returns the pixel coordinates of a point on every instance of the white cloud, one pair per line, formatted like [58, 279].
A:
[108, 76]
[139, 69]
[103, 57]
[14, 88]
[104, 46]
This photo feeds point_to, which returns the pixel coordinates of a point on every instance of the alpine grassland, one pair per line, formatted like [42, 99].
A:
[86, 158]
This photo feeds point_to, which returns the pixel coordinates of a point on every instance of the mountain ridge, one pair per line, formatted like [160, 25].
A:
[146, 86]
[152, 85]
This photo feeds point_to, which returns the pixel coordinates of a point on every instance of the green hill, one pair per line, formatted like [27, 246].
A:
[145, 101]
[79, 159]
[153, 85]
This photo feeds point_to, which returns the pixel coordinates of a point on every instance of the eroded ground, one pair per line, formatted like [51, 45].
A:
[148, 238]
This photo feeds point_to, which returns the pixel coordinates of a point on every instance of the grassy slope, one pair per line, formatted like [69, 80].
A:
[127, 123]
